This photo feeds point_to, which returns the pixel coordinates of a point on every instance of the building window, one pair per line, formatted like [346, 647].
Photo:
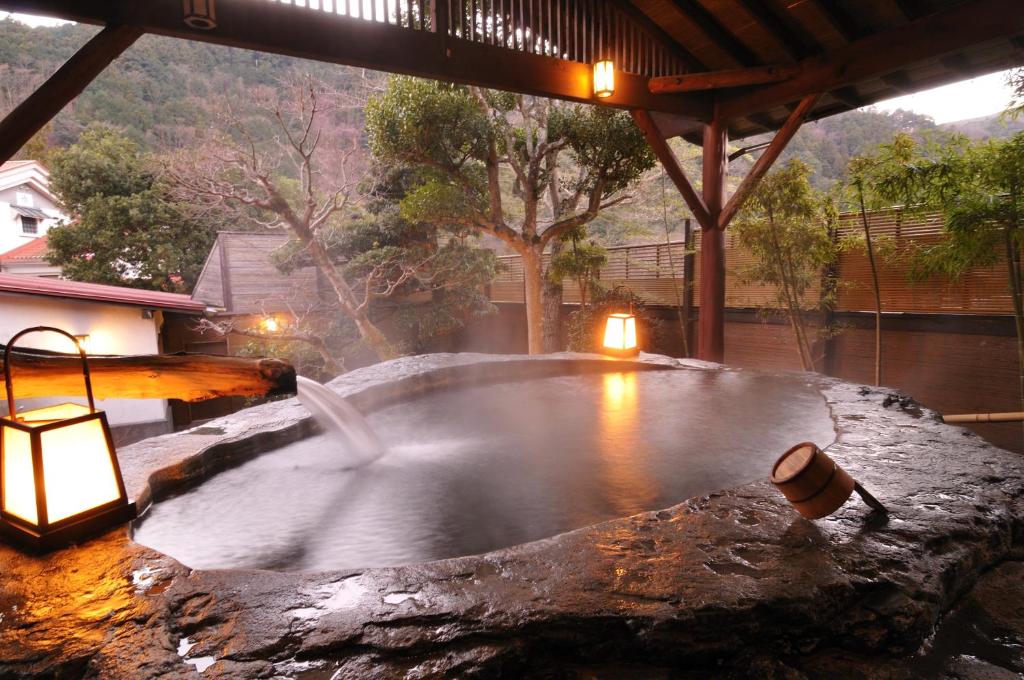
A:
[29, 225]
[24, 199]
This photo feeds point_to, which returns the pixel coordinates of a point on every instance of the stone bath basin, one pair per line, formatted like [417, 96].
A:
[733, 583]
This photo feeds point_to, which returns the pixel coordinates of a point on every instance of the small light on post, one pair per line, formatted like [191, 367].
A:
[200, 14]
[620, 336]
[604, 79]
[59, 476]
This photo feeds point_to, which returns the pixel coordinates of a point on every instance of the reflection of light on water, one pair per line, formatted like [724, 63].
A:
[630, 490]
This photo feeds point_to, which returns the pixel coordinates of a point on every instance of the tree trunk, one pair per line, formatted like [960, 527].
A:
[877, 289]
[368, 332]
[553, 306]
[534, 283]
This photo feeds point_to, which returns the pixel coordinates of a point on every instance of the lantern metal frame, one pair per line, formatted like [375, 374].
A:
[46, 535]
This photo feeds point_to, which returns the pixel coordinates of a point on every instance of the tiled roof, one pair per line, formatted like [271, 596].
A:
[33, 250]
[94, 292]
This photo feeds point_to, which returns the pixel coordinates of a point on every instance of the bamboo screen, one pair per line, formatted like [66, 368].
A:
[658, 278]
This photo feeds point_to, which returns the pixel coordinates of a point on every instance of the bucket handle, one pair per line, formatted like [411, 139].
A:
[40, 329]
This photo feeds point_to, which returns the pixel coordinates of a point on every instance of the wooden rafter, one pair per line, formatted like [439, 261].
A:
[786, 32]
[767, 159]
[714, 29]
[844, 22]
[933, 36]
[656, 32]
[673, 168]
[713, 80]
[41, 106]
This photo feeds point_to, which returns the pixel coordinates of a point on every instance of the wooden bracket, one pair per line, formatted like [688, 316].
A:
[652, 133]
[768, 158]
[67, 83]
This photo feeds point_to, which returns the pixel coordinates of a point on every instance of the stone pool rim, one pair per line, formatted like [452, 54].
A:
[731, 580]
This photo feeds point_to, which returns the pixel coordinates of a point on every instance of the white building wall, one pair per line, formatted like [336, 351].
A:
[11, 235]
[112, 329]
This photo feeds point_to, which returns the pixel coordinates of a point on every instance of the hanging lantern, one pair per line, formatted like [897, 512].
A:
[604, 79]
[620, 336]
[59, 476]
[200, 14]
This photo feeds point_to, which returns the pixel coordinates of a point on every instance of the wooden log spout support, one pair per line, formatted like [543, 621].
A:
[712, 211]
[189, 377]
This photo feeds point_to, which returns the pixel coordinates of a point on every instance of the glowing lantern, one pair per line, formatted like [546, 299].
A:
[270, 325]
[59, 476]
[200, 14]
[620, 336]
[604, 79]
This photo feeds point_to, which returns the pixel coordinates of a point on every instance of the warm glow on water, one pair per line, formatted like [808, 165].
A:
[622, 460]
[476, 469]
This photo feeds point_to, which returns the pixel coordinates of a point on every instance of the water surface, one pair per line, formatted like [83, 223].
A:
[475, 469]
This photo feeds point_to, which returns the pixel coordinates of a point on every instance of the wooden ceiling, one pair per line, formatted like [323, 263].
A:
[855, 52]
[738, 34]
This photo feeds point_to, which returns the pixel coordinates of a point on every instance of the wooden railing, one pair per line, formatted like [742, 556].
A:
[655, 273]
[583, 31]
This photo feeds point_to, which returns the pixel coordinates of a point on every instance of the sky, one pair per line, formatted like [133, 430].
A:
[972, 98]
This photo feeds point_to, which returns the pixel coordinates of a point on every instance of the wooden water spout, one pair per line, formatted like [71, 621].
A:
[189, 377]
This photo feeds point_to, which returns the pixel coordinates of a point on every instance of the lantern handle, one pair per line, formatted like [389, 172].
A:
[40, 329]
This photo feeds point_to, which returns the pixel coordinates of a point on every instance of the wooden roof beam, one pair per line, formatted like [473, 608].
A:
[652, 133]
[713, 80]
[934, 36]
[714, 29]
[841, 20]
[656, 32]
[786, 32]
[41, 106]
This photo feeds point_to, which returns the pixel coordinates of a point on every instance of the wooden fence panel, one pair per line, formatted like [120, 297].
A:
[655, 273]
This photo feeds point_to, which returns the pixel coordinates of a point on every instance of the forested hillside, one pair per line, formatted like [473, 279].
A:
[158, 91]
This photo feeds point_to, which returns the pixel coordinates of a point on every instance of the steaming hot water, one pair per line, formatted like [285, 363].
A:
[357, 443]
[479, 468]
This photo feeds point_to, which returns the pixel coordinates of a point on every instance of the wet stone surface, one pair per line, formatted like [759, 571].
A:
[734, 583]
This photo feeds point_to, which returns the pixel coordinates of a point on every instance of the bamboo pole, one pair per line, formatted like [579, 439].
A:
[189, 377]
[1010, 417]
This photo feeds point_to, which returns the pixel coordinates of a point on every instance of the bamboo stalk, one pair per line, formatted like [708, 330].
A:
[189, 377]
[1010, 417]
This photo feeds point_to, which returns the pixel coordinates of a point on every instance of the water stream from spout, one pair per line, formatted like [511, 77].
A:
[359, 444]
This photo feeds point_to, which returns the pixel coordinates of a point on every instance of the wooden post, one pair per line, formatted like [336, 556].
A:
[711, 323]
[41, 106]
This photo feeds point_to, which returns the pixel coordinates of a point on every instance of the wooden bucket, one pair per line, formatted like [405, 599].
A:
[812, 481]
